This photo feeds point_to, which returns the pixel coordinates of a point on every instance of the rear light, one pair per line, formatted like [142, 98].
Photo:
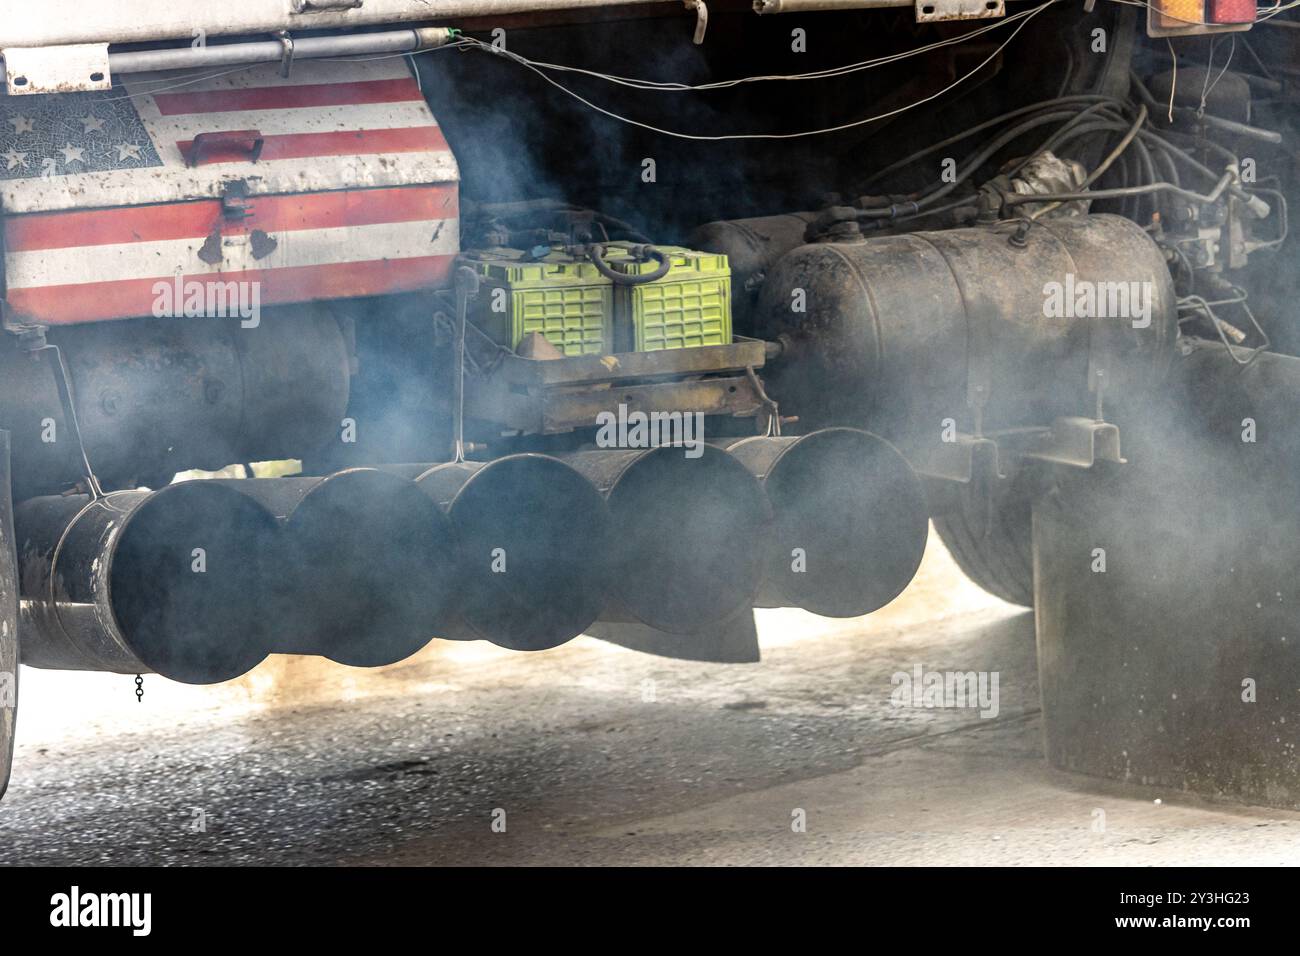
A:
[1232, 11]
[1176, 14]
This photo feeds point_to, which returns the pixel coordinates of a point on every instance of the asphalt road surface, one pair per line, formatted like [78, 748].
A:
[592, 754]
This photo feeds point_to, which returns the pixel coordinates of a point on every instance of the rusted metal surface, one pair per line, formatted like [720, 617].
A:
[888, 320]
[569, 409]
[808, 6]
[752, 247]
[61, 69]
[112, 584]
[935, 11]
[551, 396]
[203, 579]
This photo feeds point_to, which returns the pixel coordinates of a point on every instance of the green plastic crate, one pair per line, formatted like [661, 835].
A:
[688, 307]
[568, 301]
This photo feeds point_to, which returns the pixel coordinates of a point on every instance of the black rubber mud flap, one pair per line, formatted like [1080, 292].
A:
[8, 620]
[734, 641]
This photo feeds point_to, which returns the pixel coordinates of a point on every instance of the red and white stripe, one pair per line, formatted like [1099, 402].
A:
[355, 185]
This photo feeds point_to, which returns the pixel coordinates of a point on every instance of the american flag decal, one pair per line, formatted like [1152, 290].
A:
[67, 133]
[354, 191]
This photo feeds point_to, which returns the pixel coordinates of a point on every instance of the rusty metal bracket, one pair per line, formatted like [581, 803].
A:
[320, 6]
[977, 470]
[1078, 443]
[286, 52]
[235, 204]
[933, 11]
[1074, 441]
[701, 18]
[248, 140]
[56, 69]
[966, 460]
[552, 396]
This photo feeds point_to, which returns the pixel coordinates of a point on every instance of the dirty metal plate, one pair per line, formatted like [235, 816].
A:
[579, 408]
[585, 369]
[553, 411]
[931, 11]
[56, 69]
[327, 126]
[704, 359]
[334, 182]
[8, 620]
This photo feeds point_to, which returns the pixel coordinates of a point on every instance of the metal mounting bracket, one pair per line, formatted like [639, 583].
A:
[932, 11]
[701, 18]
[56, 69]
[319, 6]
[1077, 442]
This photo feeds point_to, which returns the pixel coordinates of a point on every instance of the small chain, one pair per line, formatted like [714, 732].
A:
[139, 689]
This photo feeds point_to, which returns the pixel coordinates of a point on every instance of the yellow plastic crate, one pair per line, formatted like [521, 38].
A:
[567, 300]
[688, 307]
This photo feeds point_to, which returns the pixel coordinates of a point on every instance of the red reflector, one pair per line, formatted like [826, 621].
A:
[1232, 11]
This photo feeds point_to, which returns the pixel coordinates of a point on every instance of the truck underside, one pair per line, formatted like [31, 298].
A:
[623, 320]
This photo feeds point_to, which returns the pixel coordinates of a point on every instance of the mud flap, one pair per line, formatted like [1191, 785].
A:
[1174, 662]
[734, 641]
[8, 620]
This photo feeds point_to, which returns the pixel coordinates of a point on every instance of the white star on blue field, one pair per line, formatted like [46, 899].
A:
[60, 134]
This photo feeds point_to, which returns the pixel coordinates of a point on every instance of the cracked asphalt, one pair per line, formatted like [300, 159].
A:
[591, 754]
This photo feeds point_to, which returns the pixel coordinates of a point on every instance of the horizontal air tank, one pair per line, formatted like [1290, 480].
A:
[158, 396]
[1000, 327]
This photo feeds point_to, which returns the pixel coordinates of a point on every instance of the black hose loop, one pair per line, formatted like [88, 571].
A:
[597, 253]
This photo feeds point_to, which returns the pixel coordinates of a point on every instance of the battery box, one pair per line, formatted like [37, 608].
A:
[581, 312]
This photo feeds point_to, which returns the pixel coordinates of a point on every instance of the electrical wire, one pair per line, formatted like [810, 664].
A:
[1200, 110]
[829, 73]
[1198, 304]
[700, 137]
